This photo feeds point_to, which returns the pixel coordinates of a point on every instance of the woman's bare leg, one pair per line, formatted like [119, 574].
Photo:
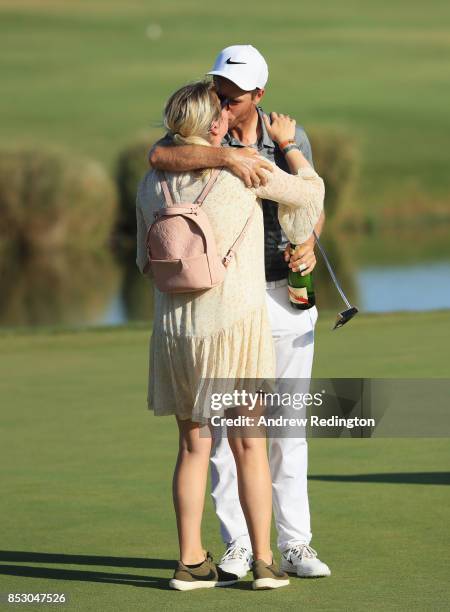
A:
[189, 486]
[255, 490]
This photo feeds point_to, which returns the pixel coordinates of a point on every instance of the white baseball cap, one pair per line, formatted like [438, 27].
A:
[243, 65]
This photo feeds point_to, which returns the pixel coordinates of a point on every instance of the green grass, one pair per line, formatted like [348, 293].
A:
[84, 74]
[86, 473]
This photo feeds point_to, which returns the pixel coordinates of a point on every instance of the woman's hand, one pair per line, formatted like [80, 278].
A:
[281, 129]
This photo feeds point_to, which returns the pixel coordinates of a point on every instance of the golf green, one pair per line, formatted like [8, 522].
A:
[86, 479]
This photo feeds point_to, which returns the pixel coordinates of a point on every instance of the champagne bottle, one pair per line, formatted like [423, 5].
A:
[301, 288]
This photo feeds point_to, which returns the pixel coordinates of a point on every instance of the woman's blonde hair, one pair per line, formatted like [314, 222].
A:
[190, 111]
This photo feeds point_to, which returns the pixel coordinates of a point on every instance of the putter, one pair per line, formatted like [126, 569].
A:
[347, 314]
[344, 316]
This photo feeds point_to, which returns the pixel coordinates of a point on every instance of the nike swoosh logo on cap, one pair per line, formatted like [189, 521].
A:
[229, 61]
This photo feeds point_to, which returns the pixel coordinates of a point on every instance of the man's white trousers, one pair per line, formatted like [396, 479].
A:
[293, 334]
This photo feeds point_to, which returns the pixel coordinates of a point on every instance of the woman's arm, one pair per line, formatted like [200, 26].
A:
[301, 194]
[282, 186]
[282, 131]
[300, 201]
[294, 190]
[141, 249]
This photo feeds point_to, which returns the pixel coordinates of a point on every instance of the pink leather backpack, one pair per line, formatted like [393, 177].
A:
[181, 246]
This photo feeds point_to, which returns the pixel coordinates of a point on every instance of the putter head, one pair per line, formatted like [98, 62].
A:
[345, 316]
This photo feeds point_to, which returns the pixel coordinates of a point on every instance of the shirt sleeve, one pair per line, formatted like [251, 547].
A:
[300, 200]
[303, 142]
[141, 249]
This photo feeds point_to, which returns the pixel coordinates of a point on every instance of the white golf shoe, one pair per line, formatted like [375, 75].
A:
[237, 560]
[302, 560]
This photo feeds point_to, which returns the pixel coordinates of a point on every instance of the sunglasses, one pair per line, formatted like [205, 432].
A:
[224, 101]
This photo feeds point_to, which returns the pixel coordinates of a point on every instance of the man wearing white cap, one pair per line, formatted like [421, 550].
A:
[243, 65]
[240, 73]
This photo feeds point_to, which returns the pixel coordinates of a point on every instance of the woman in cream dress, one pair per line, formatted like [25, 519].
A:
[222, 332]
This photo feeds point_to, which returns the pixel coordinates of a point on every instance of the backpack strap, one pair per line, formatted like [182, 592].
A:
[175, 210]
[237, 243]
[166, 191]
[209, 185]
[200, 199]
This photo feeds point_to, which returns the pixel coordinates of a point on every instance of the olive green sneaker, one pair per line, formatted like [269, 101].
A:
[268, 576]
[204, 576]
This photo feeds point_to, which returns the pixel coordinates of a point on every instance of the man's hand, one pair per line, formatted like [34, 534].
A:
[303, 260]
[247, 165]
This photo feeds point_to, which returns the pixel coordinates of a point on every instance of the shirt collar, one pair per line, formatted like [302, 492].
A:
[265, 140]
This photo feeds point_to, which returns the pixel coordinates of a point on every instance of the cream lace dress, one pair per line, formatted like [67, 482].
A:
[223, 332]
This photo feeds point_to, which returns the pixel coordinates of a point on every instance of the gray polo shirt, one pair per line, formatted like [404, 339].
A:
[274, 237]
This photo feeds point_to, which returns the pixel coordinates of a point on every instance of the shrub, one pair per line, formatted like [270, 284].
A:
[50, 199]
[335, 159]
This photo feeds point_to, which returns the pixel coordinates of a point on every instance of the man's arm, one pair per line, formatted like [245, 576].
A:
[295, 160]
[243, 162]
[304, 253]
[186, 157]
[303, 143]
[318, 227]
